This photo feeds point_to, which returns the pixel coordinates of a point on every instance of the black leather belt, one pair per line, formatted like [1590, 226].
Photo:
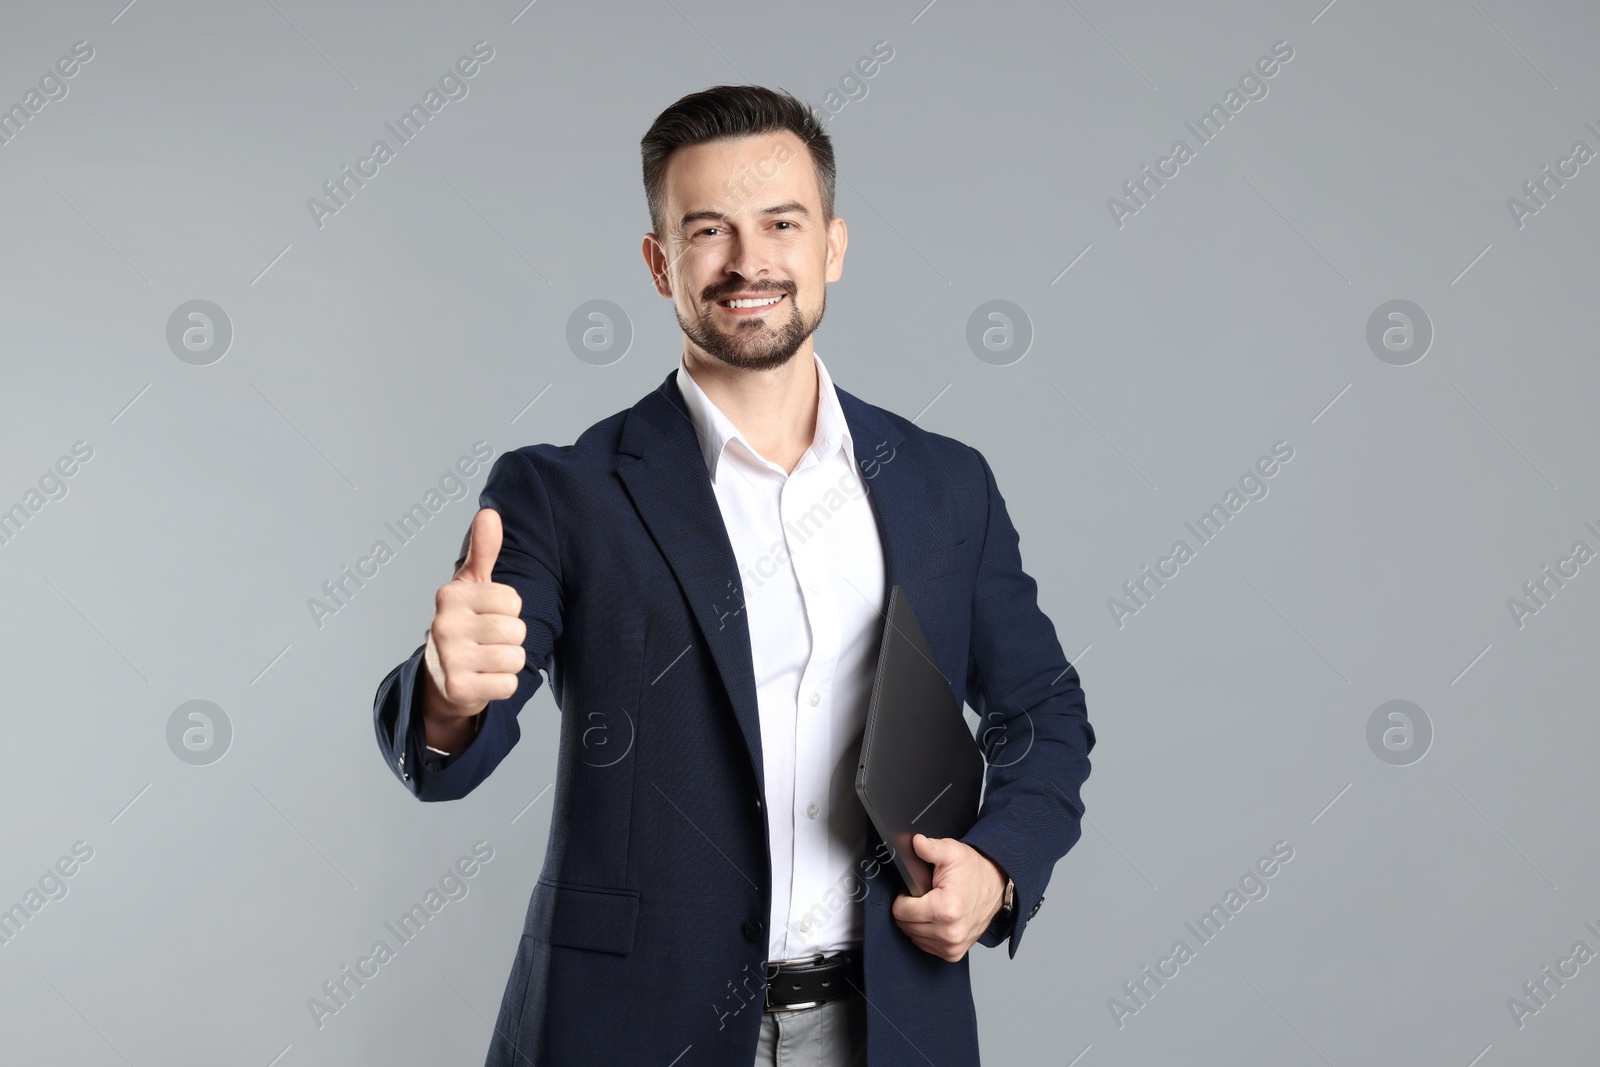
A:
[812, 980]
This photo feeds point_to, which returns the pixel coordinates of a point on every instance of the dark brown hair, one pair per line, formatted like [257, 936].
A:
[731, 111]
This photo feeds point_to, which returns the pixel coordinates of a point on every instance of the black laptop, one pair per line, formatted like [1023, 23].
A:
[921, 772]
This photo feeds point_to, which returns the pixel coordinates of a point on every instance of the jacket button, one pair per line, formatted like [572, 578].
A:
[753, 928]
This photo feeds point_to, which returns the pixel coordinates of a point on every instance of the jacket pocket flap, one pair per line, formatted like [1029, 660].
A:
[585, 917]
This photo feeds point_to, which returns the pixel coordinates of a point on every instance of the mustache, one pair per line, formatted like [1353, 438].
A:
[724, 291]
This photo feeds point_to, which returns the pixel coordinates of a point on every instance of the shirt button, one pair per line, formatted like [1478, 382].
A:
[814, 587]
[805, 924]
[812, 811]
[816, 698]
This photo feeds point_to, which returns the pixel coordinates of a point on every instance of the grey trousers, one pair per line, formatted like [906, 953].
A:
[830, 1035]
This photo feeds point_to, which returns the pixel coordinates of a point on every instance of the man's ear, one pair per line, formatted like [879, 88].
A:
[655, 260]
[838, 240]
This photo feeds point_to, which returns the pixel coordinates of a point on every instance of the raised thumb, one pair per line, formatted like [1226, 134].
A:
[483, 548]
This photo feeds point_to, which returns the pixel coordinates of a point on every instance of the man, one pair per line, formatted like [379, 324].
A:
[702, 579]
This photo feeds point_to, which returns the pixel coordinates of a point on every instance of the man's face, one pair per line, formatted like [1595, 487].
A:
[743, 222]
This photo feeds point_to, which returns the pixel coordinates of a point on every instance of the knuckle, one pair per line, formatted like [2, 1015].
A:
[445, 634]
[448, 602]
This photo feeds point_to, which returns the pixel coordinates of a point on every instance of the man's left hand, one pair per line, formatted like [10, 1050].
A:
[968, 889]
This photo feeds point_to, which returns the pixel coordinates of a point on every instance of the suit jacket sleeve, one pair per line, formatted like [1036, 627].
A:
[1034, 727]
[529, 562]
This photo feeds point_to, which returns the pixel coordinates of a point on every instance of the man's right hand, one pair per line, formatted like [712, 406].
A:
[474, 651]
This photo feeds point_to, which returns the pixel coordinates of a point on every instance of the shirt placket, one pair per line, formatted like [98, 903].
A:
[814, 703]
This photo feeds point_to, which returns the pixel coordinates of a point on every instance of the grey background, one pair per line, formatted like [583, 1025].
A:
[1230, 313]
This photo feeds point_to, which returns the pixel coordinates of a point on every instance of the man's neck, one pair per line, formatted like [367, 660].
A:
[775, 409]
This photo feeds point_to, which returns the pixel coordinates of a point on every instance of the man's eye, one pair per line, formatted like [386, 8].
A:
[708, 229]
[782, 222]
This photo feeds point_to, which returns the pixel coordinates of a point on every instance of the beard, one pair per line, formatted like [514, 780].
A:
[753, 344]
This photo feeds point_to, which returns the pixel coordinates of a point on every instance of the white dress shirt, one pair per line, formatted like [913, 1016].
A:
[811, 563]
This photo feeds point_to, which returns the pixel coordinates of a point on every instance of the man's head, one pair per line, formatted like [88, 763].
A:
[739, 180]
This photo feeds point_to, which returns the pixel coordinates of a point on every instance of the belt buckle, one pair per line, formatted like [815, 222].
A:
[774, 968]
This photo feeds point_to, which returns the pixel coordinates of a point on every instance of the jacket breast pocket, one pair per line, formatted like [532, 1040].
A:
[945, 560]
[593, 918]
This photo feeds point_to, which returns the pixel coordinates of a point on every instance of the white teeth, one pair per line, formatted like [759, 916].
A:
[752, 303]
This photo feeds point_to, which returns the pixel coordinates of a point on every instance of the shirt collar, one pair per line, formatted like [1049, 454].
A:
[715, 430]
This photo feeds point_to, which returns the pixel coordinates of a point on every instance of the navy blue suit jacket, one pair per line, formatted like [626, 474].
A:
[646, 932]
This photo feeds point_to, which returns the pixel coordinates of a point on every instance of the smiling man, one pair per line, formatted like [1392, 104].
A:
[702, 579]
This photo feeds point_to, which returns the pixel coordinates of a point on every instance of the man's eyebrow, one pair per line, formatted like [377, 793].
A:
[793, 207]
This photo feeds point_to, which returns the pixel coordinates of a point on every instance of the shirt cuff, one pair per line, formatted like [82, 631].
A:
[437, 759]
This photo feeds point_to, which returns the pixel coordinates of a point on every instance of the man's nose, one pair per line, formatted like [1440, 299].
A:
[749, 260]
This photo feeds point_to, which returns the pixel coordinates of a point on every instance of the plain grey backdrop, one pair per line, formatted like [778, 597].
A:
[242, 851]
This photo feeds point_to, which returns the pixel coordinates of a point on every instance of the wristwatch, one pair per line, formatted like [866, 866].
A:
[1008, 907]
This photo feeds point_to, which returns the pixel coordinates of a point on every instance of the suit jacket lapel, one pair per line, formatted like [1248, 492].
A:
[671, 489]
[902, 492]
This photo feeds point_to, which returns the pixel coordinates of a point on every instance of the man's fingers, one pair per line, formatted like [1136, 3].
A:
[483, 548]
[485, 659]
[937, 939]
[481, 598]
[931, 907]
[944, 921]
[936, 850]
[475, 673]
[475, 645]
[496, 630]
[475, 690]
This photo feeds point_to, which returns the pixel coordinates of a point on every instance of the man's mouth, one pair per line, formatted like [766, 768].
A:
[750, 305]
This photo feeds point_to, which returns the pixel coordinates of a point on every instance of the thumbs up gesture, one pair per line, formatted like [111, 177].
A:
[474, 651]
